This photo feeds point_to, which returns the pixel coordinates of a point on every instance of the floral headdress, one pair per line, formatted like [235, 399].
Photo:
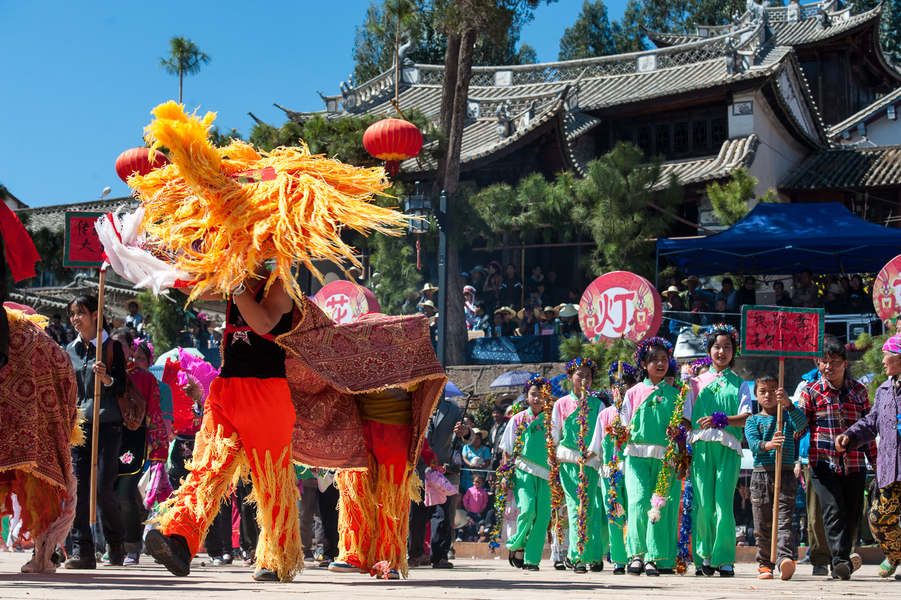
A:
[536, 380]
[576, 363]
[646, 344]
[718, 329]
[628, 369]
[702, 362]
[138, 341]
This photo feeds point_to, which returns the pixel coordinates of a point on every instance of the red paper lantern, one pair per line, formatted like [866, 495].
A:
[140, 161]
[393, 140]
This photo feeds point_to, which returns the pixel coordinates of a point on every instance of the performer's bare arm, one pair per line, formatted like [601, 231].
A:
[264, 315]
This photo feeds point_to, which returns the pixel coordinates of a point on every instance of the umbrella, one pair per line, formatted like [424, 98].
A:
[557, 388]
[451, 391]
[512, 379]
[173, 354]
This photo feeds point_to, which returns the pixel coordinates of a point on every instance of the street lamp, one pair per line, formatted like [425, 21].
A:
[420, 206]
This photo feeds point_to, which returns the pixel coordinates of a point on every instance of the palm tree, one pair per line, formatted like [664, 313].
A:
[185, 58]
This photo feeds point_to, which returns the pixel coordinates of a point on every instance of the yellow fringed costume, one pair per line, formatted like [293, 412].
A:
[216, 225]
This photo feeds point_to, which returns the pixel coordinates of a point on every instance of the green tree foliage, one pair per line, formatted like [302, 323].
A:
[627, 33]
[185, 58]
[730, 200]
[167, 319]
[398, 282]
[591, 34]
[871, 361]
[577, 346]
[220, 139]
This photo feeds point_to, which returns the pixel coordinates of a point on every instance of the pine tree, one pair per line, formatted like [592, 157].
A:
[591, 34]
[730, 201]
[871, 361]
[627, 32]
[166, 319]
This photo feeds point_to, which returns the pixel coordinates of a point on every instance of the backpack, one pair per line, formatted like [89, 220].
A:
[132, 403]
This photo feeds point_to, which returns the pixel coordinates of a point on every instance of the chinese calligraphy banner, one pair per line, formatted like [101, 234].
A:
[83, 247]
[345, 301]
[620, 304]
[781, 331]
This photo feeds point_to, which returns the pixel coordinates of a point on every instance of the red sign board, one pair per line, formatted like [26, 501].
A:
[887, 291]
[620, 304]
[83, 247]
[345, 301]
[782, 331]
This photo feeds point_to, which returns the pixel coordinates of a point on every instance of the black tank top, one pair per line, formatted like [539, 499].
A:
[248, 354]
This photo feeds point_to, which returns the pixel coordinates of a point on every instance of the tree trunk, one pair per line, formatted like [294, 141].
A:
[450, 181]
[181, 77]
[448, 88]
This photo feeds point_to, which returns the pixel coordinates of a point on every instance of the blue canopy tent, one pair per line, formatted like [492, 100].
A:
[786, 238]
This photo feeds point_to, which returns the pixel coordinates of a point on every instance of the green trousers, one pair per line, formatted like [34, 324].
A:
[596, 534]
[714, 475]
[653, 542]
[533, 499]
[616, 530]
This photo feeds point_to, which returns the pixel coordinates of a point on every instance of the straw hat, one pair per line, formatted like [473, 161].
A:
[671, 290]
[559, 307]
[522, 311]
[428, 303]
[569, 310]
[359, 271]
[481, 432]
[428, 288]
[218, 329]
[505, 398]
[835, 289]
[136, 301]
[546, 310]
[691, 278]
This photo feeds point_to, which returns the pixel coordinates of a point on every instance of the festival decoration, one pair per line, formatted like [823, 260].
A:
[642, 349]
[576, 363]
[506, 484]
[778, 331]
[887, 291]
[582, 488]
[345, 301]
[392, 140]
[672, 459]
[620, 435]
[620, 305]
[139, 161]
[683, 544]
[557, 497]
[82, 244]
[720, 420]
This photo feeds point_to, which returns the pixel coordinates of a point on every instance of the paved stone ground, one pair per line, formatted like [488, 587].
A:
[471, 579]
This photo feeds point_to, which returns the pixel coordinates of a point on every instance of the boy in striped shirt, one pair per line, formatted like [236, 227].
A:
[763, 440]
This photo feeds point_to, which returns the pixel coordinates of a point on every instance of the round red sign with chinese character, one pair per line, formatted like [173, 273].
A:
[620, 304]
[345, 301]
[887, 291]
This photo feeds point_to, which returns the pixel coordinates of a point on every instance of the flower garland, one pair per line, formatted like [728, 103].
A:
[683, 546]
[620, 435]
[718, 329]
[557, 497]
[642, 349]
[573, 365]
[505, 484]
[670, 459]
[582, 489]
[720, 419]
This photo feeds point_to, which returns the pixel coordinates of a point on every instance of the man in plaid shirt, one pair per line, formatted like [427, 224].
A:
[832, 404]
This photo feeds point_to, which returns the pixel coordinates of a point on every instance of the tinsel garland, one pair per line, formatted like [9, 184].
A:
[670, 459]
[720, 419]
[582, 489]
[505, 484]
[557, 497]
[620, 434]
[683, 546]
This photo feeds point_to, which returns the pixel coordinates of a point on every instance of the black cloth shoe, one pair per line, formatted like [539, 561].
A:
[619, 570]
[580, 568]
[78, 561]
[727, 572]
[116, 555]
[517, 559]
[172, 551]
[560, 566]
[265, 575]
[708, 571]
[650, 569]
[596, 568]
[530, 568]
[666, 571]
[636, 567]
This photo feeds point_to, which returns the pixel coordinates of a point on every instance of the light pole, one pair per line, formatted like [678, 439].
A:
[420, 206]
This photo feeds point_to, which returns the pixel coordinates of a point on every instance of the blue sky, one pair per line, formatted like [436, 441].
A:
[79, 78]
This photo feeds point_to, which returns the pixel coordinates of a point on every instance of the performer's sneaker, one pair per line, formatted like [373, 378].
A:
[886, 569]
[443, 564]
[727, 571]
[820, 571]
[171, 551]
[842, 571]
[78, 561]
[530, 568]
[764, 573]
[650, 569]
[412, 563]
[340, 566]
[856, 561]
[786, 569]
[389, 574]
[265, 575]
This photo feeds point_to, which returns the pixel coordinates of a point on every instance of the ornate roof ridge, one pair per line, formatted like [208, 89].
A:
[864, 114]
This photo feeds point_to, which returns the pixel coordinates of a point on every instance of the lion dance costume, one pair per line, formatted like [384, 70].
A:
[38, 414]
[307, 390]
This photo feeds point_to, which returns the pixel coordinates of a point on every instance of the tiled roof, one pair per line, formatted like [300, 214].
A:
[848, 168]
[733, 155]
[865, 115]
[808, 31]
[53, 217]
[663, 39]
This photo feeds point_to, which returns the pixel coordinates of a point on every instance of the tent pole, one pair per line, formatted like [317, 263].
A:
[656, 265]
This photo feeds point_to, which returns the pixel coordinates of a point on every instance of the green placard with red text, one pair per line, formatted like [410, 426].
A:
[786, 332]
[83, 249]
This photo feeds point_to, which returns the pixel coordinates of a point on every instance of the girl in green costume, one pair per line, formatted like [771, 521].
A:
[647, 412]
[574, 419]
[525, 444]
[722, 404]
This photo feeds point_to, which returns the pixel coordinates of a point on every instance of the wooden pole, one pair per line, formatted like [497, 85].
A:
[522, 286]
[778, 482]
[95, 424]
